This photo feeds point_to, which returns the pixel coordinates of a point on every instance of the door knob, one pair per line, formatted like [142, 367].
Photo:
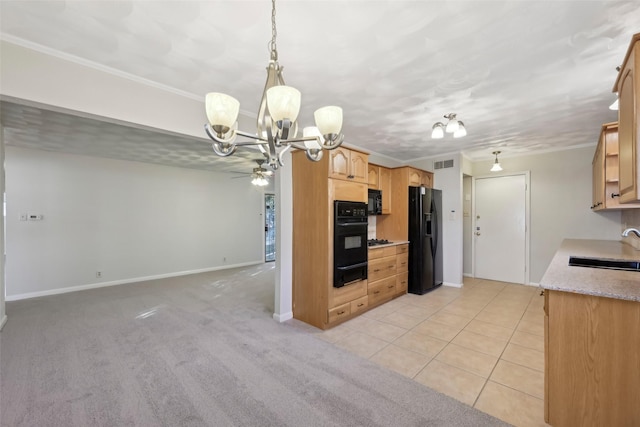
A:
[477, 233]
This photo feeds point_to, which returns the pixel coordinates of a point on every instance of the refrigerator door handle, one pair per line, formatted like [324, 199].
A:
[434, 231]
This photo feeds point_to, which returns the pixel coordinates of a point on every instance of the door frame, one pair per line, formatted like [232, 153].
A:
[527, 219]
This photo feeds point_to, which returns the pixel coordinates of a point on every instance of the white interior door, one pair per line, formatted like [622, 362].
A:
[500, 228]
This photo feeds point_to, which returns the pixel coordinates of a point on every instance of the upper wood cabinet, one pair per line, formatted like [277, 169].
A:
[385, 189]
[380, 179]
[606, 171]
[348, 164]
[374, 176]
[418, 178]
[396, 225]
[628, 87]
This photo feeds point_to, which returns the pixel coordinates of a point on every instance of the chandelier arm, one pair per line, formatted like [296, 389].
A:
[332, 141]
[284, 150]
[314, 155]
[271, 152]
[212, 134]
[250, 135]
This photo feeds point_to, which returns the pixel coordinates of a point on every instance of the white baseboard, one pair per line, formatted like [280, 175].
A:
[467, 275]
[537, 285]
[282, 317]
[453, 285]
[123, 281]
[3, 321]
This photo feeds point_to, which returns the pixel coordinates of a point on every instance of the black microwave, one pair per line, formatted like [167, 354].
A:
[374, 207]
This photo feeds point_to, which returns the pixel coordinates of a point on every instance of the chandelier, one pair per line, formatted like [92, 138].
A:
[277, 125]
[454, 126]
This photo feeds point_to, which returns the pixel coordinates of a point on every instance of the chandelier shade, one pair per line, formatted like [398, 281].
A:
[222, 110]
[452, 126]
[283, 103]
[437, 131]
[461, 131]
[276, 124]
[328, 120]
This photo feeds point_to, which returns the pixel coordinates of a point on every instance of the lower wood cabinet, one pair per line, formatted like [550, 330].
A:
[388, 273]
[592, 360]
[387, 279]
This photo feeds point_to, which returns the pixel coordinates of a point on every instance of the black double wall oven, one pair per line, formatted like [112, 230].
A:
[349, 242]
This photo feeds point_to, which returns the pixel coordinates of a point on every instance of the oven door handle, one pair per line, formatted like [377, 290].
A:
[351, 267]
[352, 224]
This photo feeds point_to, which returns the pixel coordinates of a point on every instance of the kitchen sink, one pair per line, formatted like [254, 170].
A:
[613, 264]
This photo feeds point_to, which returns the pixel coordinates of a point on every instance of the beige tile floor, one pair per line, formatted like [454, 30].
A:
[482, 344]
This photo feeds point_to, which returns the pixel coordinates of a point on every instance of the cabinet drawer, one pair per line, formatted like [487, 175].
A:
[402, 263]
[402, 249]
[339, 312]
[360, 304]
[381, 268]
[339, 296]
[375, 254]
[382, 290]
[402, 279]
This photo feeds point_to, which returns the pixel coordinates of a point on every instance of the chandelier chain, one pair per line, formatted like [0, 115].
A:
[272, 45]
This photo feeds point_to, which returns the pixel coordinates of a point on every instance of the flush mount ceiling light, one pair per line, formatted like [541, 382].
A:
[454, 126]
[276, 123]
[496, 165]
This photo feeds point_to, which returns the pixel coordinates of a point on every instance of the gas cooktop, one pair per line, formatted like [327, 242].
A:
[374, 242]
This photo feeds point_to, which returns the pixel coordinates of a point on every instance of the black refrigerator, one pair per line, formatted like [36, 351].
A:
[425, 239]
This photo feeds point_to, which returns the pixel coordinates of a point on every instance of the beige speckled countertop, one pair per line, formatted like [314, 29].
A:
[396, 243]
[593, 281]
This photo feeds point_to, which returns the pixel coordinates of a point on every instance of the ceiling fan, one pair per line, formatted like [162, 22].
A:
[259, 175]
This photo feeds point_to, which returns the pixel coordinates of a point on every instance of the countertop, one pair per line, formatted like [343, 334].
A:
[396, 243]
[593, 281]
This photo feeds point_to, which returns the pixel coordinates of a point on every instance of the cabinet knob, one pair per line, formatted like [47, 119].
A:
[340, 312]
[614, 195]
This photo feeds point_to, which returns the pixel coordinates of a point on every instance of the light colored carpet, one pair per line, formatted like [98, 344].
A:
[197, 350]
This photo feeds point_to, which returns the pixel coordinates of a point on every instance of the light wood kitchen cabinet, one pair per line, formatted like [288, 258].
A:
[606, 171]
[396, 226]
[348, 164]
[385, 189]
[388, 273]
[374, 176]
[592, 360]
[315, 300]
[628, 88]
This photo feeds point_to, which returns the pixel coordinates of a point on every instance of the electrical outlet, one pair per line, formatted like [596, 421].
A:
[98, 274]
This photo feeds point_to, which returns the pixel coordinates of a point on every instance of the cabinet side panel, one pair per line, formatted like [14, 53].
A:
[310, 240]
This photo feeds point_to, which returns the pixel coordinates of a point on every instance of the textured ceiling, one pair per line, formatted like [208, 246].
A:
[524, 76]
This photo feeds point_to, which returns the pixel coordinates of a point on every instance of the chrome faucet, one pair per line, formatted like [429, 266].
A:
[626, 232]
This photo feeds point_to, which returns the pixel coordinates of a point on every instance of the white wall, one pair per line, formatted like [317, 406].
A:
[128, 220]
[467, 224]
[3, 316]
[561, 193]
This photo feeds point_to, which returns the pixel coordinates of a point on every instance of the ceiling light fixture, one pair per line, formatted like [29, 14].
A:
[276, 123]
[496, 165]
[454, 126]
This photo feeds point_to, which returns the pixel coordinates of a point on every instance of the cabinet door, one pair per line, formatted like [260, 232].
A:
[627, 130]
[385, 188]
[598, 177]
[374, 177]
[358, 168]
[426, 179]
[339, 163]
[415, 178]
